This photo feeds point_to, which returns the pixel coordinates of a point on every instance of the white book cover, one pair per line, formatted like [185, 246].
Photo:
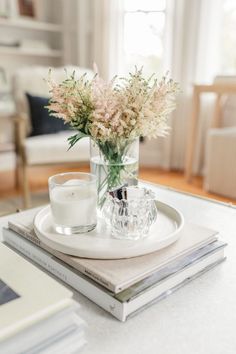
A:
[27, 295]
[117, 275]
[45, 333]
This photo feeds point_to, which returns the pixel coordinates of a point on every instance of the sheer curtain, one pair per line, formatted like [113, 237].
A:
[194, 56]
[107, 32]
[99, 28]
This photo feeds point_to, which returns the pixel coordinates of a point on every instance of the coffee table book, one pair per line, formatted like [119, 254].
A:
[27, 309]
[117, 275]
[162, 272]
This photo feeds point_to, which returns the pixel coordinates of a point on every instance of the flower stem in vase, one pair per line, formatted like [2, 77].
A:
[114, 166]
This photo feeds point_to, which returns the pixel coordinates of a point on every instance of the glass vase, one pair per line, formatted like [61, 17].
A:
[114, 165]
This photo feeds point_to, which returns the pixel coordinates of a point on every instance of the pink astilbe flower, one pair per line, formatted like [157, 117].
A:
[70, 100]
[158, 107]
[115, 111]
[106, 107]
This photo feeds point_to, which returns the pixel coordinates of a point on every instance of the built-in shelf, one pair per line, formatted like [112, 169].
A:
[30, 24]
[50, 53]
[25, 42]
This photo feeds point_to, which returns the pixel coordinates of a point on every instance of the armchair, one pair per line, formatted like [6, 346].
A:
[44, 149]
[221, 88]
[220, 171]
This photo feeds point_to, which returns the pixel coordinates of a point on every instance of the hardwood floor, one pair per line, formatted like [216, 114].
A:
[174, 179]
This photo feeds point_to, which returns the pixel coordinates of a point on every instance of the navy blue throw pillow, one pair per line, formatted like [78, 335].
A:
[41, 121]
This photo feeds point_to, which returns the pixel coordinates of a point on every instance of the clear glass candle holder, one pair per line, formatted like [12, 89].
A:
[73, 200]
[131, 216]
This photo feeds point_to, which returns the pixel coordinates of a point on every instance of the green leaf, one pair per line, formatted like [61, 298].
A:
[75, 138]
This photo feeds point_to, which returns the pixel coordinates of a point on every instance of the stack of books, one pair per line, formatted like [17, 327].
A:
[37, 314]
[123, 287]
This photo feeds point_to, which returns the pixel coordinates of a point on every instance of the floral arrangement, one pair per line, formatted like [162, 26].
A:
[114, 113]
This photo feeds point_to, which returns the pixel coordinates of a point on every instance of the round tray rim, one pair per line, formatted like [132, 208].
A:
[132, 248]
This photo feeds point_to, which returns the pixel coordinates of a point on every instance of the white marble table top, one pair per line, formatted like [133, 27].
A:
[200, 318]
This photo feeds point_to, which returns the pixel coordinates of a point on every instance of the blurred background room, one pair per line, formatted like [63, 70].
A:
[194, 40]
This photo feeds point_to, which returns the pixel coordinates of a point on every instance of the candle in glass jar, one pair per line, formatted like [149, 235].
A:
[73, 199]
[73, 203]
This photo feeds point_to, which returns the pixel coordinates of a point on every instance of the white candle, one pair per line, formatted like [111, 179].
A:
[73, 203]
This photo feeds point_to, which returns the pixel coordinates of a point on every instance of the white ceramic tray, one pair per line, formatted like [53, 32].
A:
[99, 244]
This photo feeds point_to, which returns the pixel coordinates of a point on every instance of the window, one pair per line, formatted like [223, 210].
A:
[228, 38]
[143, 32]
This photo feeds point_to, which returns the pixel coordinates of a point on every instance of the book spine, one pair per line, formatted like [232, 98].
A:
[24, 232]
[48, 262]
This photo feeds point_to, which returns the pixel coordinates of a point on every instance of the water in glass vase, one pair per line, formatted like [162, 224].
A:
[112, 175]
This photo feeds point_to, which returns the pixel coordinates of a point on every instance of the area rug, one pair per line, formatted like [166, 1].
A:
[13, 204]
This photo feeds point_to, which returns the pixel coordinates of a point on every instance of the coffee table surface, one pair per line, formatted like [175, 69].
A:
[199, 318]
